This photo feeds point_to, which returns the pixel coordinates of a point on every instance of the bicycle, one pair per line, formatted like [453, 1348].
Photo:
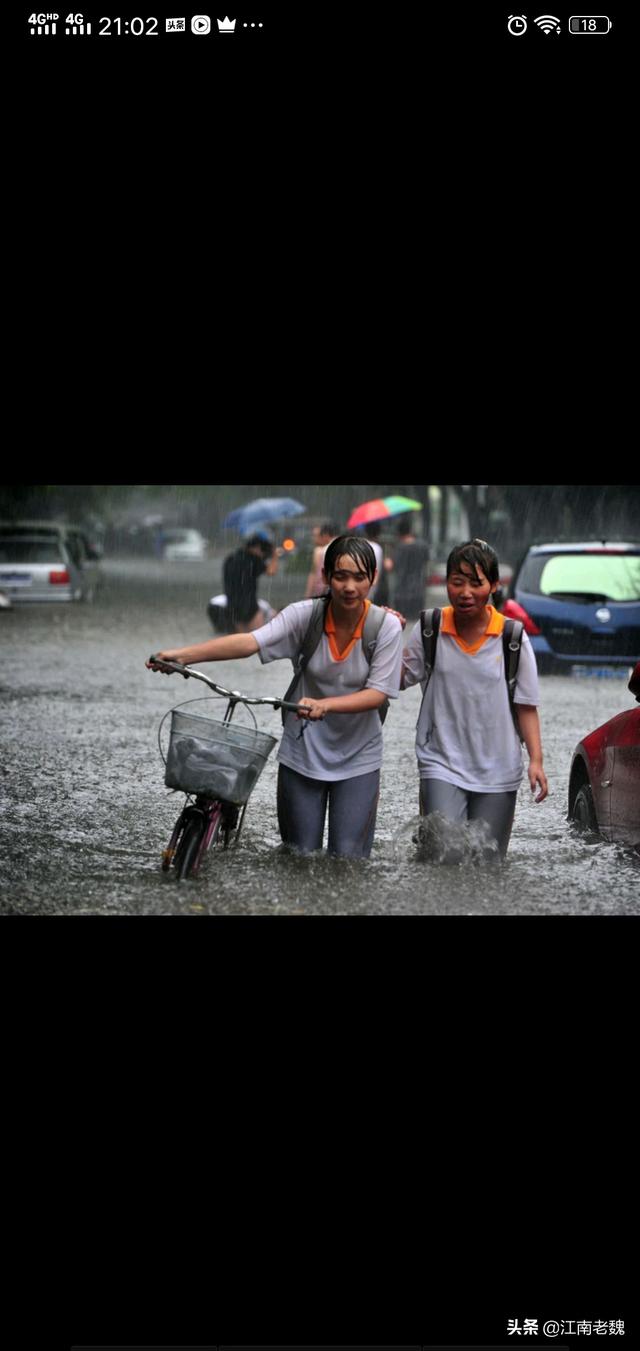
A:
[207, 759]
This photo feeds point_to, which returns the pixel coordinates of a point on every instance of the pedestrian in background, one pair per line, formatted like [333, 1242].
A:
[410, 558]
[322, 537]
[240, 573]
[379, 593]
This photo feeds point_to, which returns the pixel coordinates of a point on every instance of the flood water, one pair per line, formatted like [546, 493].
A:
[86, 814]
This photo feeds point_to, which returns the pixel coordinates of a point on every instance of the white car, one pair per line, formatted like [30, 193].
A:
[183, 545]
[46, 561]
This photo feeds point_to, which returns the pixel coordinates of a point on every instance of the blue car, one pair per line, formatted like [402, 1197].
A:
[579, 603]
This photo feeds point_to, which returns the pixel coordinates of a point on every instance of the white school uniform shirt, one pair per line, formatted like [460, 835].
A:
[465, 733]
[340, 745]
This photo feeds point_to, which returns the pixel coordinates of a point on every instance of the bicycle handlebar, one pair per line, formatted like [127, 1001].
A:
[235, 695]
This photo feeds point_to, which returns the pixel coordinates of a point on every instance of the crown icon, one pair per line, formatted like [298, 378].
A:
[226, 25]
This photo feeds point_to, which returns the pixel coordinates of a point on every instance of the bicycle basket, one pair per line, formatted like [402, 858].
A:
[216, 758]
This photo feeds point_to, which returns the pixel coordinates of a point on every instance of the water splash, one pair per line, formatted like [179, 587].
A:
[435, 839]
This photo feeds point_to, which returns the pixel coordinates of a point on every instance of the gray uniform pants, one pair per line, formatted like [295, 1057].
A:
[353, 804]
[457, 804]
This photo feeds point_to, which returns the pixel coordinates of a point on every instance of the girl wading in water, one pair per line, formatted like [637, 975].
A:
[468, 750]
[343, 684]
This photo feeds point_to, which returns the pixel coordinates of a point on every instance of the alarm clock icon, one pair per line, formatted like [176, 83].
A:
[517, 25]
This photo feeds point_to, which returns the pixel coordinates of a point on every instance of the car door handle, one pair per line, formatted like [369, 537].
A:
[606, 783]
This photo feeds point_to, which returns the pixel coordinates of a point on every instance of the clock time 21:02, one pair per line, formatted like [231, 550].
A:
[128, 27]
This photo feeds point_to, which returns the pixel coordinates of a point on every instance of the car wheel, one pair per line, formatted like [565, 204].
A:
[583, 812]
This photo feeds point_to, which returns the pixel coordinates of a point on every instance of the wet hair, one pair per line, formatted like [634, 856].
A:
[353, 546]
[259, 542]
[478, 554]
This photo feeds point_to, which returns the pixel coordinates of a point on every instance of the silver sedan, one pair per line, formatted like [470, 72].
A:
[47, 566]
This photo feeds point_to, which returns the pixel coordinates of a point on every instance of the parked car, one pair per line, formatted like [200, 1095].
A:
[46, 561]
[579, 603]
[182, 545]
[604, 782]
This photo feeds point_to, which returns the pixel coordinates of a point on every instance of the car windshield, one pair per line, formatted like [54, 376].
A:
[179, 536]
[614, 577]
[30, 551]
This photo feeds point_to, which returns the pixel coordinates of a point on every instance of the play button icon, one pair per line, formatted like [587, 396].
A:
[201, 24]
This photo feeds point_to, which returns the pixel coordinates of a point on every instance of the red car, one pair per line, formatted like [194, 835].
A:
[604, 784]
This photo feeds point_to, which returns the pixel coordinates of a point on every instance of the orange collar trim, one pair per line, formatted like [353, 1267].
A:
[330, 630]
[493, 629]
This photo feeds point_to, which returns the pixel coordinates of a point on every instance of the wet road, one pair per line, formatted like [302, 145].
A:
[86, 814]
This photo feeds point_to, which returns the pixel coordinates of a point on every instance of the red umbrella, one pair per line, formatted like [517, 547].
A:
[379, 508]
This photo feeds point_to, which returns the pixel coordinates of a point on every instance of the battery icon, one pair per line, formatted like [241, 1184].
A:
[589, 23]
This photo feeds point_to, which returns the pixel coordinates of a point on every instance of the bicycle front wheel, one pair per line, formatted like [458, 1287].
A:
[170, 854]
[190, 847]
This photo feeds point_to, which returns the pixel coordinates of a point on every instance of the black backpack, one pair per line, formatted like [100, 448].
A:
[511, 646]
[372, 625]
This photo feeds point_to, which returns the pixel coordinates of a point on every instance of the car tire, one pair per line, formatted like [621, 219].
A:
[583, 812]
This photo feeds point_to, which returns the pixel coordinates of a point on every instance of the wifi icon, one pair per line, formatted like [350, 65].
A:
[548, 22]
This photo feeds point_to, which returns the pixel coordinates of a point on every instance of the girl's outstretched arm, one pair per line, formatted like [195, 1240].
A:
[216, 649]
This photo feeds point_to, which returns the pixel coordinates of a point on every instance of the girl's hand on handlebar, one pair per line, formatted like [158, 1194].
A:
[312, 709]
[158, 657]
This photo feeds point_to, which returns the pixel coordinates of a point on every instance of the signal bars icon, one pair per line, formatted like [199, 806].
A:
[548, 22]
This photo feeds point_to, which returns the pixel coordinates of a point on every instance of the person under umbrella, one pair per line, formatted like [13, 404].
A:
[379, 592]
[410, 558]
[240, 573]
[368, 516]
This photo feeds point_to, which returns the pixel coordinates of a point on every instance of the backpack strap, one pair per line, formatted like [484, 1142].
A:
[372, 625]
[315, 628]
[511, 646]
[429, 628]
[310, 642]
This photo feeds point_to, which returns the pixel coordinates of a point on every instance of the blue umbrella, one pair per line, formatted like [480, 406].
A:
[262, 509]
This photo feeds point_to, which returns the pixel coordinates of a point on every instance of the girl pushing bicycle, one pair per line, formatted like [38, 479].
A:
[335, 765]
